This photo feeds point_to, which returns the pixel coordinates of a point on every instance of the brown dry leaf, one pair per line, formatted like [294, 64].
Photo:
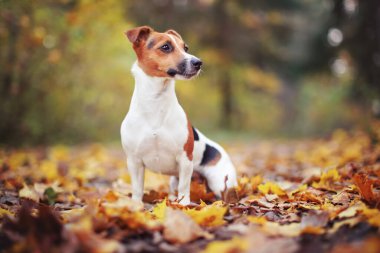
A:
[350, 211]
[180, 228]
[271, 197]
[315, 219]
[308, 196]
[342, 198]
[153, 196]
[260, 243]
[365, 186]
[199, 190]
[230, 196]
[263, 203]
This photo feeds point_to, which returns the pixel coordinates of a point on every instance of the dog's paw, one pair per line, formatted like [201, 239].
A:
[172, 197]
[185, 201]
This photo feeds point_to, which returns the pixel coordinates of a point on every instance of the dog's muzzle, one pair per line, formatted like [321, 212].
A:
[187, 68]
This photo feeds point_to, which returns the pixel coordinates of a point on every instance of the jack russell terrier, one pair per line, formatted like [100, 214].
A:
[156, 133]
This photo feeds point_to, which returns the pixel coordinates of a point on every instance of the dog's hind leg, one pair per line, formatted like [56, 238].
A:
[185, 168]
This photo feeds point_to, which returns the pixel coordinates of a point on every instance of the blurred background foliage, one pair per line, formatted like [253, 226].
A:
[272, 68]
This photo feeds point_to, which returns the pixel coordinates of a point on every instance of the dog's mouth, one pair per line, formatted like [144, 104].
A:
[189, 75]
[183, 74]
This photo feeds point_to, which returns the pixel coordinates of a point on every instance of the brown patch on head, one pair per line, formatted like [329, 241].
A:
[189, 145]
[138, 34]
[172, 32]
[150, 45]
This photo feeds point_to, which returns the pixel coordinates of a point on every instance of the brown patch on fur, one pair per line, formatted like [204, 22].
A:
[152, 60]
[189, 145]
[172, 32]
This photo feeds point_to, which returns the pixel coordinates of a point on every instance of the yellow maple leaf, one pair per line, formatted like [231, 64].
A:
[256, 181]
[159, 211]
[270, 187]
[257, 220]
[209, 215]
[49, 170]
[300, 188]
[327, 179]
[332, 175]
[373, 215]
[17, 159]
[236, 244]
[4, 212]
[243, 180]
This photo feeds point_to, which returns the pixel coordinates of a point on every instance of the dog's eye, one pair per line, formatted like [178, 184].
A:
[186, 48]
[166, 48]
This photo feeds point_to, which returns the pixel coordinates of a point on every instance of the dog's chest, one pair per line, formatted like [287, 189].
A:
[156, 141]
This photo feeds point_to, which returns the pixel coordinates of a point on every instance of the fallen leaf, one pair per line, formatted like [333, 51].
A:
[270, 187]
[257, 220]
[5, 212]
[314, 219]
[350, 212]
[235, 245]
[327, 180]
[255, 182]
[210, 215]
[28, 193]
[365, 186]
[160, 210]
[190, 231]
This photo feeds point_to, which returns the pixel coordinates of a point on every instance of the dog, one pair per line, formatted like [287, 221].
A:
[156, 132]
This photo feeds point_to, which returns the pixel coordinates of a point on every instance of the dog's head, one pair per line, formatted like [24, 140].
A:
[163, 54]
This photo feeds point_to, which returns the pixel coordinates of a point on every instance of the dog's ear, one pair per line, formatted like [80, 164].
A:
[138, 34]
[172, 32]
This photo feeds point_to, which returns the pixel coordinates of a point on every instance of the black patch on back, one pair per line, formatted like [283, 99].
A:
[209, 154]
[196, 136]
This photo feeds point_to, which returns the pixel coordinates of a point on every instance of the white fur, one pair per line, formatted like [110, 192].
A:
[153, 135]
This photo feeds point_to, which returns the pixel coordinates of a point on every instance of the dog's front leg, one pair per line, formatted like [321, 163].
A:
[173, 187]
[185, 167]
[136, 170]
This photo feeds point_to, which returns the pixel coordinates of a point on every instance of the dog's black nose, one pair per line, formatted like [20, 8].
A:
[196, 63]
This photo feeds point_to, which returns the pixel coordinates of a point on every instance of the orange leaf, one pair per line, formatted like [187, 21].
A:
[365, 186]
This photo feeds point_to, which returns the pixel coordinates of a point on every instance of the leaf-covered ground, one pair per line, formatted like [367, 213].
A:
[319, 195]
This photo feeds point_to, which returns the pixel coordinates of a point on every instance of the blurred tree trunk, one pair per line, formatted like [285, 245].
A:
[9, 122]
[361, 31]
[227, 101]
